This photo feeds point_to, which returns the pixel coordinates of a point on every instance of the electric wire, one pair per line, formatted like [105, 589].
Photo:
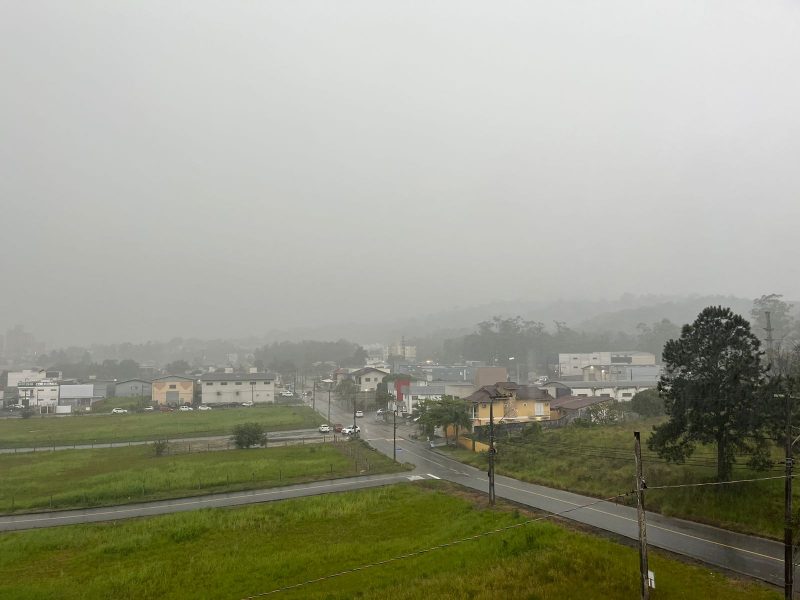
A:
[442, 546]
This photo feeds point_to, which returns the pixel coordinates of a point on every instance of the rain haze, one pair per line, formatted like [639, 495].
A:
[225, 168]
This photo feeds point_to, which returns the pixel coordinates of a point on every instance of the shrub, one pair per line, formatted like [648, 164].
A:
[246, 435]
[161, 447]
[648, 403]
[27, 413]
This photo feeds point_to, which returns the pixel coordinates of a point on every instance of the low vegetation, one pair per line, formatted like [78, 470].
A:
[235, 553]
[79, 478]
[83, 429]
[598, 461]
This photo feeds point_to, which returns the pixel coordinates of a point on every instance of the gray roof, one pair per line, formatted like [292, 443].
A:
[609, 384]
[425, 390]
[237, 377]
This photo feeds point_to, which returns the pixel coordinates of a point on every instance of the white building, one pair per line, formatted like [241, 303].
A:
[368, 378]
[42, 394]
[621, 391]
[81, 394]
[235, 388]
[573, 364]
[17, 377]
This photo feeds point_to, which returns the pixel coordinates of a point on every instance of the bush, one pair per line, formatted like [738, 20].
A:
[161, 447]
[648, 403]
[246, 435]
[27, 413]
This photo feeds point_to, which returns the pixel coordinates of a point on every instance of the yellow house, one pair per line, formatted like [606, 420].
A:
[173, 390]
[510, 403]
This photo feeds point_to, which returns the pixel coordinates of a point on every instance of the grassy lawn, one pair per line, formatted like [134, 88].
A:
[44, 431]
[234, 553]
[79, 478]
[598, 461]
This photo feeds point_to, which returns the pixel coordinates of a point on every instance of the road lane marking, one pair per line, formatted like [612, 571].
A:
[649, 525]
[433, 476]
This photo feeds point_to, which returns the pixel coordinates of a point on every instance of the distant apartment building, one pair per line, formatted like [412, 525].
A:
[576, 364]
[489, 376]
[404, 351]
[235, 388]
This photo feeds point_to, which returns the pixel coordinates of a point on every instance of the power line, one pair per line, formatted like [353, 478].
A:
[684, 485]
[416, 553]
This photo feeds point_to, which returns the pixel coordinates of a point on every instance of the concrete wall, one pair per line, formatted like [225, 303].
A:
[230, 392]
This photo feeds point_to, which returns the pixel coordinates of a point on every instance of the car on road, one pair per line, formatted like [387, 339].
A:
[204, 407]
[324, 428]
[247, 403]
[338, 428]
[359, 413]
[118, 411]
[287, 394]
[149, 408]
[185, 408]
[351, 430]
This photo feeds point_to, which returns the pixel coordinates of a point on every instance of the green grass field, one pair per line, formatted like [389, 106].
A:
[80, 478]
[83, 429]
[236, 553]
[598, 461]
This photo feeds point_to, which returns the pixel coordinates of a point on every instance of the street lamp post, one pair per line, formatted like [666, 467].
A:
[516, 364]
[330, 383]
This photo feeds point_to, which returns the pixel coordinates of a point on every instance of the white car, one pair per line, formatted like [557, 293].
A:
[149, 408]
[203, 407]
[359, 413]
[118, 411]
[324, 428]
[247, 403]
[185, 409]
[351, 430]
[287, 394]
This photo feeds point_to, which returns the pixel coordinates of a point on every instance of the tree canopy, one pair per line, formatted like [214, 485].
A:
[712, 391]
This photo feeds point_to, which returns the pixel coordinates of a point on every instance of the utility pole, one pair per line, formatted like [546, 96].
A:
[640, 486]
[394, 435]
[788, 554]
[314, 396]
[492, 451]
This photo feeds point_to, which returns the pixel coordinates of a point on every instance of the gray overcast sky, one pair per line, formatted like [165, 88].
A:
[223, 168]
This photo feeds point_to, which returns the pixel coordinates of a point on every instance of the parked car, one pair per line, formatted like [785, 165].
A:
[359, 413]
[247, 403]
[118, 411]
[204, 407]
[351, 430]
[286, 394]
[324, 428]
[185, 408]
[338, 428]
[149, 408]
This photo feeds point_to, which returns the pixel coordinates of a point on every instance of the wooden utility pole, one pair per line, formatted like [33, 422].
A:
[640, 486]
[394, 433]
[492, 451]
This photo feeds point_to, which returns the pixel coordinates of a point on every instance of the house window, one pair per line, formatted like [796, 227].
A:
[366, 379]
[237, 392]
[209, 383]
[172, 386]
[238, 383]
[539, 409]
[252, 383]
[223, 383]
[626, 394]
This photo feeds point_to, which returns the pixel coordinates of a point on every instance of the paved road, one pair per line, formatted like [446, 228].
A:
[272, 437]
[756, 557]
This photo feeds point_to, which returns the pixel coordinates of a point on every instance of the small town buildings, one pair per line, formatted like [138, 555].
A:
[235, 388]
[41, 394]
[621, 391]
[572, 365]
[30, 375]
[566, 409]
[133, 388]
[172, 390]
[507, 403]
[413, 394]
[368, 378]
[79, 395]
[489, 375]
